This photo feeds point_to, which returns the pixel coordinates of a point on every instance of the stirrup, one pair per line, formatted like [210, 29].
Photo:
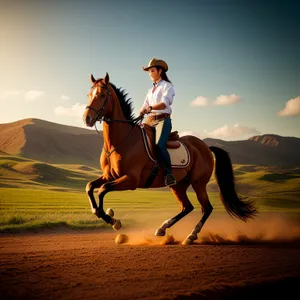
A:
[170, 180]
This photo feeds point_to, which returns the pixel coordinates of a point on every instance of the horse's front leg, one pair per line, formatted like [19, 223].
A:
[123, 183]
[90, 187]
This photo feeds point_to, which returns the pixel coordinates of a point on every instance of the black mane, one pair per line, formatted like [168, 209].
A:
[126, 103]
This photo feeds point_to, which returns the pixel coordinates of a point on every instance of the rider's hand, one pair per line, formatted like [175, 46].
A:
[146, 111]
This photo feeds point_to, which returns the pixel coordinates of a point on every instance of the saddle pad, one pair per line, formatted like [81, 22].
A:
[180, 157]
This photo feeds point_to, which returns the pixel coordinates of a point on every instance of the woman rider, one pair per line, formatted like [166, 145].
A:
[157, 105]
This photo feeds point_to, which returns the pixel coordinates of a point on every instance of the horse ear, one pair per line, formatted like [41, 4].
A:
[92, 78]
[106, 78]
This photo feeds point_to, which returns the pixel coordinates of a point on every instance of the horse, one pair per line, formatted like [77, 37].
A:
[127, 164]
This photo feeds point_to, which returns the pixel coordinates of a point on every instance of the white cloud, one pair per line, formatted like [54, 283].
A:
[227, 99]
[10, 93]
[32, 95]
[232, 132]
[199, 101]
[65, 97]
[292, 108]
[197, 134]
[75, 111]
[235, 132]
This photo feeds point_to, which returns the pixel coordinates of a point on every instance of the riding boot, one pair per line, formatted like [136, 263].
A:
[170, 180]
[162, 152]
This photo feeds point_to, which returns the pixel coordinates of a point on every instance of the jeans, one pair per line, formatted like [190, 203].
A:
[162, 152]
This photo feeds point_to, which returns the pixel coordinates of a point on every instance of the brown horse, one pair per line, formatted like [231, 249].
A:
[127, 164]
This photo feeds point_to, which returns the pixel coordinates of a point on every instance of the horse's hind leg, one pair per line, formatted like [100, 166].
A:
[179, 191]
[206, 210]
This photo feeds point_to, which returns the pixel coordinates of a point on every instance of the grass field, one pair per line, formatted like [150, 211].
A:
[35, 195]
[30, 209]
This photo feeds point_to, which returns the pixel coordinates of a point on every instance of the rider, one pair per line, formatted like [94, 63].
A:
[157, 105]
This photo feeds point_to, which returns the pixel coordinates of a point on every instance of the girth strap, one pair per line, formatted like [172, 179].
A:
[152, 176]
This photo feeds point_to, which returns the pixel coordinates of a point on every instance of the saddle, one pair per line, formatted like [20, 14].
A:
[179, 154]
[172, 143]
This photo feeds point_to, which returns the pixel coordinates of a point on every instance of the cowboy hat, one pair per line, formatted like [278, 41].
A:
[154, 62]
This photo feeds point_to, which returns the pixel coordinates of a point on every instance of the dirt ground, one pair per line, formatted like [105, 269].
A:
[64, 264]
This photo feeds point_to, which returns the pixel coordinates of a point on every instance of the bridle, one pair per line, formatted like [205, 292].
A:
[99, 113]
[100, 118]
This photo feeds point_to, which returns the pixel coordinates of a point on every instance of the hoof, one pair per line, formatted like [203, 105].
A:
[160, 232]
[117, 225]
[110, 212]
[188, 242]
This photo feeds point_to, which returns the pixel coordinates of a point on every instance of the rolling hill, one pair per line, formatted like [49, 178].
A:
[264, 150]
[21, 172]
[51, 143]
[60, 144]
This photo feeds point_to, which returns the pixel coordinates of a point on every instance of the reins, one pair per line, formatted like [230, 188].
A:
[136, 122]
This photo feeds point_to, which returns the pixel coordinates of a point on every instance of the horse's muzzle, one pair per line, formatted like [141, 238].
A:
[88, 121]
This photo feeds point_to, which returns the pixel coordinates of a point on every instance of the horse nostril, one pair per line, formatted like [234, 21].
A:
[87, 120]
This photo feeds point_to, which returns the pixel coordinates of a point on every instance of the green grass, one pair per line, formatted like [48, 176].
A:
[35, 195]
[24, 209]
[32, 209]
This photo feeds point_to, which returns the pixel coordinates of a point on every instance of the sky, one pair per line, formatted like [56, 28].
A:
[235, 65]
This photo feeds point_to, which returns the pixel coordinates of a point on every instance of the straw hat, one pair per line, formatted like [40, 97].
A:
[154, 62]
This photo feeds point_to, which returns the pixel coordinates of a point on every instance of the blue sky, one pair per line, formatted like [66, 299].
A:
[235, 65]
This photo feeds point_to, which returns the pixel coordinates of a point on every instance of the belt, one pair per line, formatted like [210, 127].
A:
[161, 116]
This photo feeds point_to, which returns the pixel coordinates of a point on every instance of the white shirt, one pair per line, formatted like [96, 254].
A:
[164, 92]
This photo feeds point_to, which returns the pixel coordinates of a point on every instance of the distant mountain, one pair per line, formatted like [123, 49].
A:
[51, 142]
[54, 143]
[265, 150]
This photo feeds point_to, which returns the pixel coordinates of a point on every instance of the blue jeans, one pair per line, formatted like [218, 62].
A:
[162, 152]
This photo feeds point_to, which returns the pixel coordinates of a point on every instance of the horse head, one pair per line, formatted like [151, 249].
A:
[100, 102]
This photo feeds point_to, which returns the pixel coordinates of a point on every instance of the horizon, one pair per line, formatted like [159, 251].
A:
[235, 66]
[93, 129]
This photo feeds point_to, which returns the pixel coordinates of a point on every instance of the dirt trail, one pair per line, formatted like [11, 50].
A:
[89, 265]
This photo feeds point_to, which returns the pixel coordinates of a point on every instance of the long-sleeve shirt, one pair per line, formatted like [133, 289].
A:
[164, 92]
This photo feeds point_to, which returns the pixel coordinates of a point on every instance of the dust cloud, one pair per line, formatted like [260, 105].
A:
[220, 229]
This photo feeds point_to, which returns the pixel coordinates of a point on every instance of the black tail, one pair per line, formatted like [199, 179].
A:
[225, 179]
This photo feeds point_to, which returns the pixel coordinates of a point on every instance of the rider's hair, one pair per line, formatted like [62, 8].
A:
[163, 74]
